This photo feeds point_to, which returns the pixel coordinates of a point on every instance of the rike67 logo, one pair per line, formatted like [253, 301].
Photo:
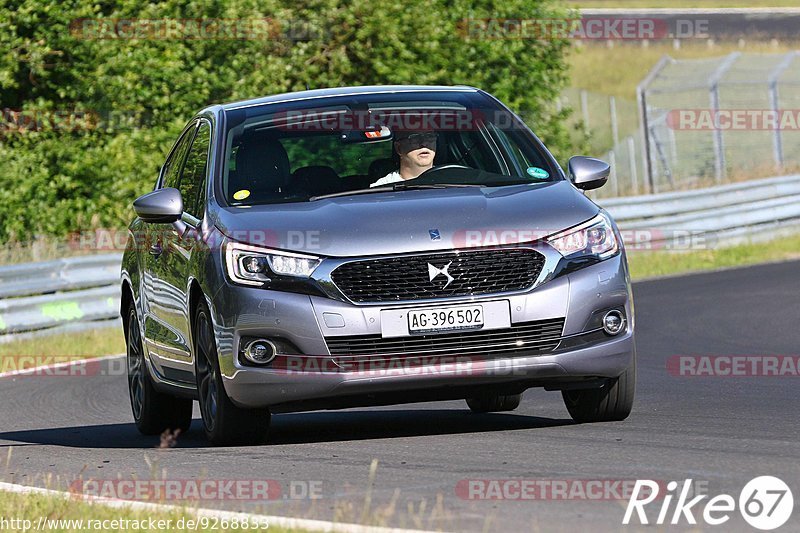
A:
[765, 503]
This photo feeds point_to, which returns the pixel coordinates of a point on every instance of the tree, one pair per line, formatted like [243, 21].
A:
[73, 58]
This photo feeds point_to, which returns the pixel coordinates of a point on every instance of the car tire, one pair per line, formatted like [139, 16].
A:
[494, 403]
[224, 423]
[609, 403]
[153, 412]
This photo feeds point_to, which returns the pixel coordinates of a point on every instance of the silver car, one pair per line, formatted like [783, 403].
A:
[362, 246]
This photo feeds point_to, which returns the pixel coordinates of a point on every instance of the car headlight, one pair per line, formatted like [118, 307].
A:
[252, 265]
[594, 237]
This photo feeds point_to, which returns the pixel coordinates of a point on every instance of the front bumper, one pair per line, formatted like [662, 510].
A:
[314, 379]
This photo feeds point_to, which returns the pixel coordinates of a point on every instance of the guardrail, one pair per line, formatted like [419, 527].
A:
[57, 296]
[83, 292]
[722, 216]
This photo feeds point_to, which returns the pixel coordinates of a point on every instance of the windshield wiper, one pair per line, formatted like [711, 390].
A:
[407, 186]
[353, 192]
[401, 186]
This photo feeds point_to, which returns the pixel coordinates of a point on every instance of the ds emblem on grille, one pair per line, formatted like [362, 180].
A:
[435, 235]
[433, 272]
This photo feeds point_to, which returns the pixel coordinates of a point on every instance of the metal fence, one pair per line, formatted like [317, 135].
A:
[61, 295]
[719, 216]
[718, 120]
[695, 123]
[83, 293]
[611, 125]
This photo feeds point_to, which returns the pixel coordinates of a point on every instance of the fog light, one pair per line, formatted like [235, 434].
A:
[260, 351]
[613, 322]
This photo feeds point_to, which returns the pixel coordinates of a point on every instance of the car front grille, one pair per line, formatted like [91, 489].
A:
[526, 338]
[409, 277]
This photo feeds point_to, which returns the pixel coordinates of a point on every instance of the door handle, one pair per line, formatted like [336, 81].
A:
[155, 249]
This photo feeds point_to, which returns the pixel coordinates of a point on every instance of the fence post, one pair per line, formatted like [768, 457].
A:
[663, 158]
[585, 108]
[612, 161]
[632, 161]
[641, 97]
[774, 101]
[673, 146]
[612, 105]
[719, 142]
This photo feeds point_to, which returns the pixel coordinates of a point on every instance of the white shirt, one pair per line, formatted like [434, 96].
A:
[391, 177]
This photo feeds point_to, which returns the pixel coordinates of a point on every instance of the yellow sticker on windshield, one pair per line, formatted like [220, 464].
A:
[241, 195]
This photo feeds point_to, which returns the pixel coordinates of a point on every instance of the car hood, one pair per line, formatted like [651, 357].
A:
[408, 221]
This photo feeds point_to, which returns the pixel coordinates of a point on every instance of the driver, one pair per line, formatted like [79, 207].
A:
[416, 151]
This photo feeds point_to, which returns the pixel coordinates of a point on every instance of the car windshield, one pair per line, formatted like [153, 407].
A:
[309, 153]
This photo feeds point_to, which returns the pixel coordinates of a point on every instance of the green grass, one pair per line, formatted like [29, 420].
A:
[617, 71]
[44, 248]
[33, 506]
[83, 344]
[654, 264]
[680, 3]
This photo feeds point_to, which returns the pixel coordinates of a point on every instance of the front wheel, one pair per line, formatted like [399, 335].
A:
[611, 402]
[225, 424]
[153, 412]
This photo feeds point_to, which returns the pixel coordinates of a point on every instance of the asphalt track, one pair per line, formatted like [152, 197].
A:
[722, 24]
[721, 431]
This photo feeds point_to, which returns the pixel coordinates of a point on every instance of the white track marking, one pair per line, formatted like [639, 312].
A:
[279, 521]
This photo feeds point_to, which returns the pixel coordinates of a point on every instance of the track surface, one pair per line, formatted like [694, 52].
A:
[711, 24]
[722, 431]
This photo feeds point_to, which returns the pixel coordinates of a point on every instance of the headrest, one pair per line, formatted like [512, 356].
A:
[317, 179]
[380, 167]
[262, 166]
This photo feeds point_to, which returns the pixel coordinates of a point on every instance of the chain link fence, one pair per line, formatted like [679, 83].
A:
[712, 121]
[695, 123]
[611, 127]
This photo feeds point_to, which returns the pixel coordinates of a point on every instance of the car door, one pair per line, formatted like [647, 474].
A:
[164, 306]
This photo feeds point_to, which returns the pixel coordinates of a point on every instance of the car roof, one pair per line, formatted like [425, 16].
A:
[346, 91]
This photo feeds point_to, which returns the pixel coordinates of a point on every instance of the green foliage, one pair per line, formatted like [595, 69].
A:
[70, 178]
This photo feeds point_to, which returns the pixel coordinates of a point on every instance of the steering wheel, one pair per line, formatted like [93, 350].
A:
[440, 167]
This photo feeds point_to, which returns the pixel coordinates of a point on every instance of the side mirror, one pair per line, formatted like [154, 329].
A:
[162, 206]
[588, 173]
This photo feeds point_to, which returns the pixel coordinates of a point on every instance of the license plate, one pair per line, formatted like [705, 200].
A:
[445, 318]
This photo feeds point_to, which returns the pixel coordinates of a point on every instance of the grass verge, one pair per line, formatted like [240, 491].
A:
[21, 354]
[71, 516]
[661, 263]
[591, 65]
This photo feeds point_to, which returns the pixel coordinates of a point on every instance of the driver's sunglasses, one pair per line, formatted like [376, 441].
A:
[416, 141]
